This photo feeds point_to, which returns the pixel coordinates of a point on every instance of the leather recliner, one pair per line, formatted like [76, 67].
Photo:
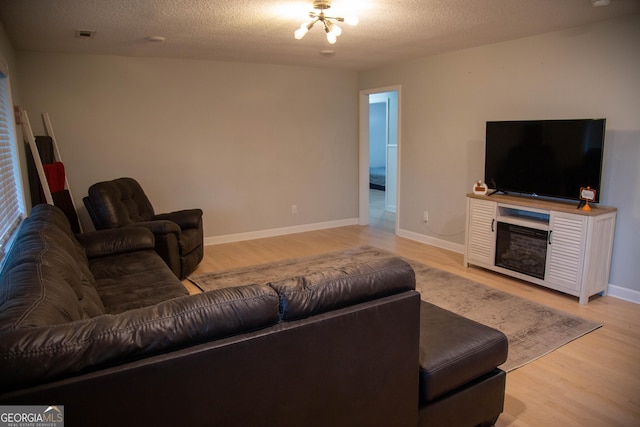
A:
[178, 235]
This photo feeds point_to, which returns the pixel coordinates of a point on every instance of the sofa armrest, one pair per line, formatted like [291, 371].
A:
[116, 241]
[187, 218]
[159, 227]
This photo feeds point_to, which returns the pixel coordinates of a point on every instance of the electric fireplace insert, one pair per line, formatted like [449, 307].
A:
[521, 249]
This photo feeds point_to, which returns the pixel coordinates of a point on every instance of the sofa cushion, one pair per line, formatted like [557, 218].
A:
[36, 355]
[28, 300]
[56, 231]
[134, 280]
[46, 277]
[331, 289]
[454, 351]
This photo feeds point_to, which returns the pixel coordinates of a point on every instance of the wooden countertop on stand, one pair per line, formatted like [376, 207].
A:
[545, 204]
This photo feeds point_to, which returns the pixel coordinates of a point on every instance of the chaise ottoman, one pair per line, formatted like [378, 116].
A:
[460, 382]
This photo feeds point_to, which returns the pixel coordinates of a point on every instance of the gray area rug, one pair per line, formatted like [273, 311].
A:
[532, 329]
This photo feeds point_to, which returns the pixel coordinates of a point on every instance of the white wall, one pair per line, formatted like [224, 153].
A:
[590, 71]
[244, 142]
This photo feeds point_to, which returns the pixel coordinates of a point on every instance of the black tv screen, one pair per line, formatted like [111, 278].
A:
[551, 158]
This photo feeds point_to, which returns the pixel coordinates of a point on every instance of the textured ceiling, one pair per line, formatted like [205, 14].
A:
[262, 31]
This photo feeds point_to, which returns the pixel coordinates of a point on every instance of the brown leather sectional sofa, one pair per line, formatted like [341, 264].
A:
[98, 323]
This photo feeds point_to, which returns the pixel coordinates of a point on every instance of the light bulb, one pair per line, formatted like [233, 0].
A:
[331, 38]
[300, 32]
[304, 29]
[336, 30]
[351, 20]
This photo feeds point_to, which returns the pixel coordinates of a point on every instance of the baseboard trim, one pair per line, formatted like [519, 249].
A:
[624, 293]
[439, 243]
[261, 234]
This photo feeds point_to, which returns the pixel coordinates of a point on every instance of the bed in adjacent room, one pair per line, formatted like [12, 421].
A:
[377, 177]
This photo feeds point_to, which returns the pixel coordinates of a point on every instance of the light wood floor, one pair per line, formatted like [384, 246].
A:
[379, 217]
[592, 381]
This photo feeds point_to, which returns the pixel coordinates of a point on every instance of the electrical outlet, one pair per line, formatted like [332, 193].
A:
[425, 216]
[294, 209]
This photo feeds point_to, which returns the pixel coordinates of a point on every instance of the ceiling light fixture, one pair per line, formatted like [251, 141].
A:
[331, 28]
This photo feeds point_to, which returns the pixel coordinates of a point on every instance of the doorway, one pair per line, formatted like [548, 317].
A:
[379, 157]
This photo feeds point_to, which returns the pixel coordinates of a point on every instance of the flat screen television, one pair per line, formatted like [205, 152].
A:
[549, 158]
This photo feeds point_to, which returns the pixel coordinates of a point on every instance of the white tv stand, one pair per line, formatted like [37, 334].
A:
[548, 243]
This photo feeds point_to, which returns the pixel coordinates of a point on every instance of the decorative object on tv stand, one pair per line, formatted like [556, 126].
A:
[587, 195]
[480, 188]
[331, 28]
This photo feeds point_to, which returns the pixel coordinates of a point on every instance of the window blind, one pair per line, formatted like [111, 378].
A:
[11, 205]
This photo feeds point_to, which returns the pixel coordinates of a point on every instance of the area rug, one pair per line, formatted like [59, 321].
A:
[532, 329]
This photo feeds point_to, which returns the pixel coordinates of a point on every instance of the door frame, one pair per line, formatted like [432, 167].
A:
[363, 173]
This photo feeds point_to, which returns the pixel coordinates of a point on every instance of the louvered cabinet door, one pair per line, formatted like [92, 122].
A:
[481, 238]
[565, 251]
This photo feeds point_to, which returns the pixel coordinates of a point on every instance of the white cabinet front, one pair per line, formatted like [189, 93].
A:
[481, 240]
[565, 252]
